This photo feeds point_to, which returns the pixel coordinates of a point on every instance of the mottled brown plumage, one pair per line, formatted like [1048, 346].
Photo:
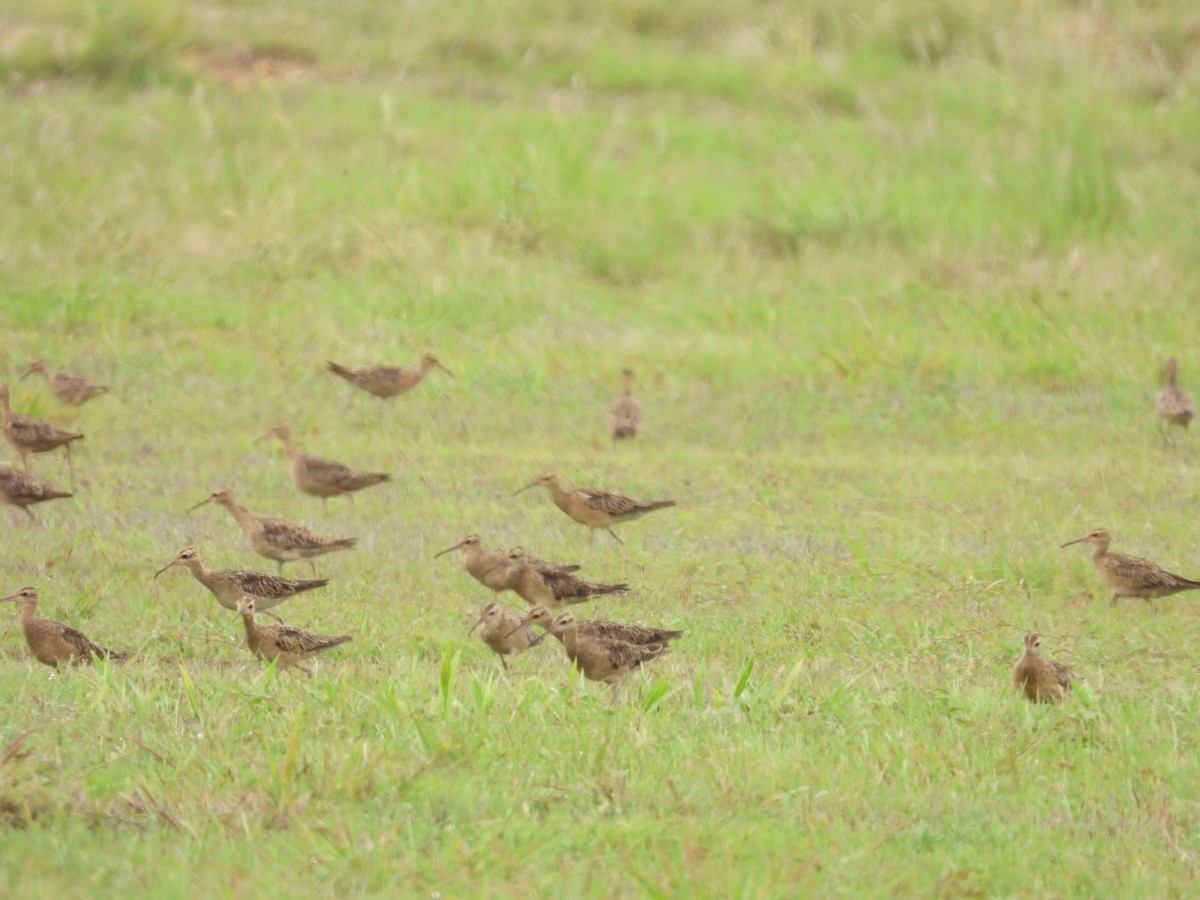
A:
[542, 617]
[22, 491]
[595, 508]
[389, 381]
[230, 585]
[625, 414]
[286, 645]
[1132, 576]
[70, 388]
[274, 538]
[1174, 404]
[1041, 680]
[53, 642]
[498, 628]
[319, 477]
[551, 587]
[29, 435]
[600, 659]
[490, 567]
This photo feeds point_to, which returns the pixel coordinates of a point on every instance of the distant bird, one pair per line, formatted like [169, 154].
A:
[490, 567]
[602, 659]
[22, 491]
[389, 381]
[53, 642]
[543, 618]
[230, 585]
[1174, 405]
[593, 507]
[29, 435]
[1041, 680]
[625, 414]
[500, 631]
[319, 477]
[287, 645]
[70, 388]
[551, 587]
[1132, 576]
[274, 538]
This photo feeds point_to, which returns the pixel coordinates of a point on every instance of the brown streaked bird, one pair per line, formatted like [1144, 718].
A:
[389, 381]
[595, 508]
[29, 435]
[625, 414]
[276, 539]
[1132, 576]
[501, 631]
[230, 585]
[53, 642]
[1041, 680]
[70, 388]
[22, 491]
[319, 477]
[490, 567]
[1174, 404]
[599, 659]
[542, 617]
[551, 587]
[286, 645]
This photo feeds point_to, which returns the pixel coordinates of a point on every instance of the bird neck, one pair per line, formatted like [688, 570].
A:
[28, 613]
[239, 512]
[251, 626]
[1101, 550]
[1170, 376]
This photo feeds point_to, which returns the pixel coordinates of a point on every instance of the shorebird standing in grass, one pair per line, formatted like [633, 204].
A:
[22, 491]
[230, 585]
[1132, 576]
[53, 642]
[1174, 404]
[625, 414]
[499, 628]
[603, 659]
[1041, 680]
[490, 567]
[389, 381]
[551, 587]
[286, 645]
[543, 618]
[595, 508]
[319, 477]
[29, 435]
[70, 388]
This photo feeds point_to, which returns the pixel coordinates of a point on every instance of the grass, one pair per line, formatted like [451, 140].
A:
[896, 280]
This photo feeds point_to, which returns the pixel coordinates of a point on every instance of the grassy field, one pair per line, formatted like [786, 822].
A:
[897, 280]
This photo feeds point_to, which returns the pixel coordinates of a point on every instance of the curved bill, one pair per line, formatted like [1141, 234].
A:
[447, 550]
[1076, 541]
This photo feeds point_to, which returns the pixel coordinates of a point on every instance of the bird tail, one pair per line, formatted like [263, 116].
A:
[652, 505]
[596, 589]
[340, 371]
[344, 544]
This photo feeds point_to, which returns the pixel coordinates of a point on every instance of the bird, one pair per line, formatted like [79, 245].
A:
[1132, 576]
[70, 388]
[490, 567]
[29, 435]
[1174, 404]
[551, 587]
[230, 585]
[274, 538]
[319, 477]
[501, 631]
[1041, 680]
[602, 659]
[22, 491]
[287, 645]
[388, 381]
[542, 617]
[595, 508]
[625, 414]
[53, 642]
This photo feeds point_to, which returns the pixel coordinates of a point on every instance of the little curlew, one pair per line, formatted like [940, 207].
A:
[29, 435]
[20, 490]
[550, 587]
[1174, 404]
[1132, 576]
[490, 567]
[600, 659]
[319, 477]
[625, 414]
[70, 388]
[53, 642]
[543, 618]
[276, 539]
[595, 508]
[389, 381]
[1041, 680]
[499, 628]
[230, 585]
[286, 645]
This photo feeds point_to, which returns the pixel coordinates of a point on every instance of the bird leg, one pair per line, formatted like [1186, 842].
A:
[71, 466]
[614, 534]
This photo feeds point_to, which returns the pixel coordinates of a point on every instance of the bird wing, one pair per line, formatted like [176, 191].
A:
[260, 584]
[84, 646]
[289, 535]
[1144, 573]
[607, 502]
[624, 655]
